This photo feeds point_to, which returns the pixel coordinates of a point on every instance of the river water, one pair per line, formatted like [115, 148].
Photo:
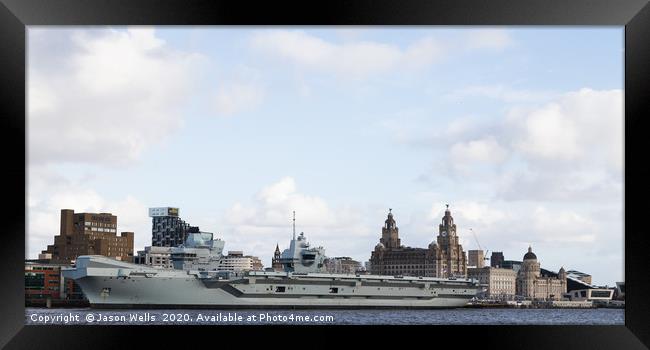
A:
[41, 316]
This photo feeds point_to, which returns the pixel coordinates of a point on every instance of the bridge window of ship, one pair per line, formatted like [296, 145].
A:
[334, 290]
[280, 289]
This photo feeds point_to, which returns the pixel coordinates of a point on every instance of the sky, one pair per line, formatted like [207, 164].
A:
[518, 129]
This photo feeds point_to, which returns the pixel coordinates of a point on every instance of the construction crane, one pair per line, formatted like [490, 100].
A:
[479, 245]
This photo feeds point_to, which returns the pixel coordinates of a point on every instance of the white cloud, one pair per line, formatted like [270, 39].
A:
[274, 204]
[354, 57]
[568, 149]
[493, 39]
[581, 126]
[485, 150]
[349, 59]
[478, 214]
[543, 183]
[563, 226]
[500, 92]
[548, 133]
[111, 95]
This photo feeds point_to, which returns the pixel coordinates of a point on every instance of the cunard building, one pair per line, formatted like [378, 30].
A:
[443, 258]
[532, 284]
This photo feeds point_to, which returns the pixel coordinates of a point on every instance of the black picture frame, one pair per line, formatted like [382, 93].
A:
[15, 15]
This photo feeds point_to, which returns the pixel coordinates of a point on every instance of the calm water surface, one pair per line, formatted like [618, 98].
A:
[39, 316]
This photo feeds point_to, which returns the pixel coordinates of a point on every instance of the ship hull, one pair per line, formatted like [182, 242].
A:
[133, 287]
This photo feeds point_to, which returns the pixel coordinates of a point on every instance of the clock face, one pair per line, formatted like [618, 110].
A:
[444, 233]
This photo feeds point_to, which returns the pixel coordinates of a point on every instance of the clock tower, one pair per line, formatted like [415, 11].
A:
[447, 230]
[390, 232]
[446, 255]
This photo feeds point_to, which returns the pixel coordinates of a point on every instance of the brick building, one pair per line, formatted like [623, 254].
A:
[43, 282]
[89, 234]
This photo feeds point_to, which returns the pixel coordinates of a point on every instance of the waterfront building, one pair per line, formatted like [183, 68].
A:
[443, 258]
[496, 259]
[89, 234]
[237, 261]
[592, 294]
[500, 283]
[532, 284]
[342, 264]
[168, 230]
[475, 258]
[45, 284]
[276, 263]
[155, 256]
[391, 258]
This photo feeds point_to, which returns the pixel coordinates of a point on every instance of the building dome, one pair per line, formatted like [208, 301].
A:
[530, 255]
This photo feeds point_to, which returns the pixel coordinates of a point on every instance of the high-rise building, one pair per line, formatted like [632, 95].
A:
[496, 260]
[443, 258]
[168, 230]
[89, 234]
[475, 258]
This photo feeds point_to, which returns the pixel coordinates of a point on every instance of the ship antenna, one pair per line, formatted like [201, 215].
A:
[294, 224]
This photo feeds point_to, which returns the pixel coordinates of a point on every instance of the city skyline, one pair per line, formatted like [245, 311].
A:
[519, 130]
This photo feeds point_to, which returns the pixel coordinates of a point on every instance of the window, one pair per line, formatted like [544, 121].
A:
[280, 289]
[335, 290]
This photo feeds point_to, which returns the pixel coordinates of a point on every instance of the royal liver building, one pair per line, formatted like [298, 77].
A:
[443, 258]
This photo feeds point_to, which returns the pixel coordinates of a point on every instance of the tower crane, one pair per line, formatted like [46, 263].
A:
[479, 245]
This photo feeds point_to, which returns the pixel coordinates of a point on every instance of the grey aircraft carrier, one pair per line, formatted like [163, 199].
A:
[197, 282]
